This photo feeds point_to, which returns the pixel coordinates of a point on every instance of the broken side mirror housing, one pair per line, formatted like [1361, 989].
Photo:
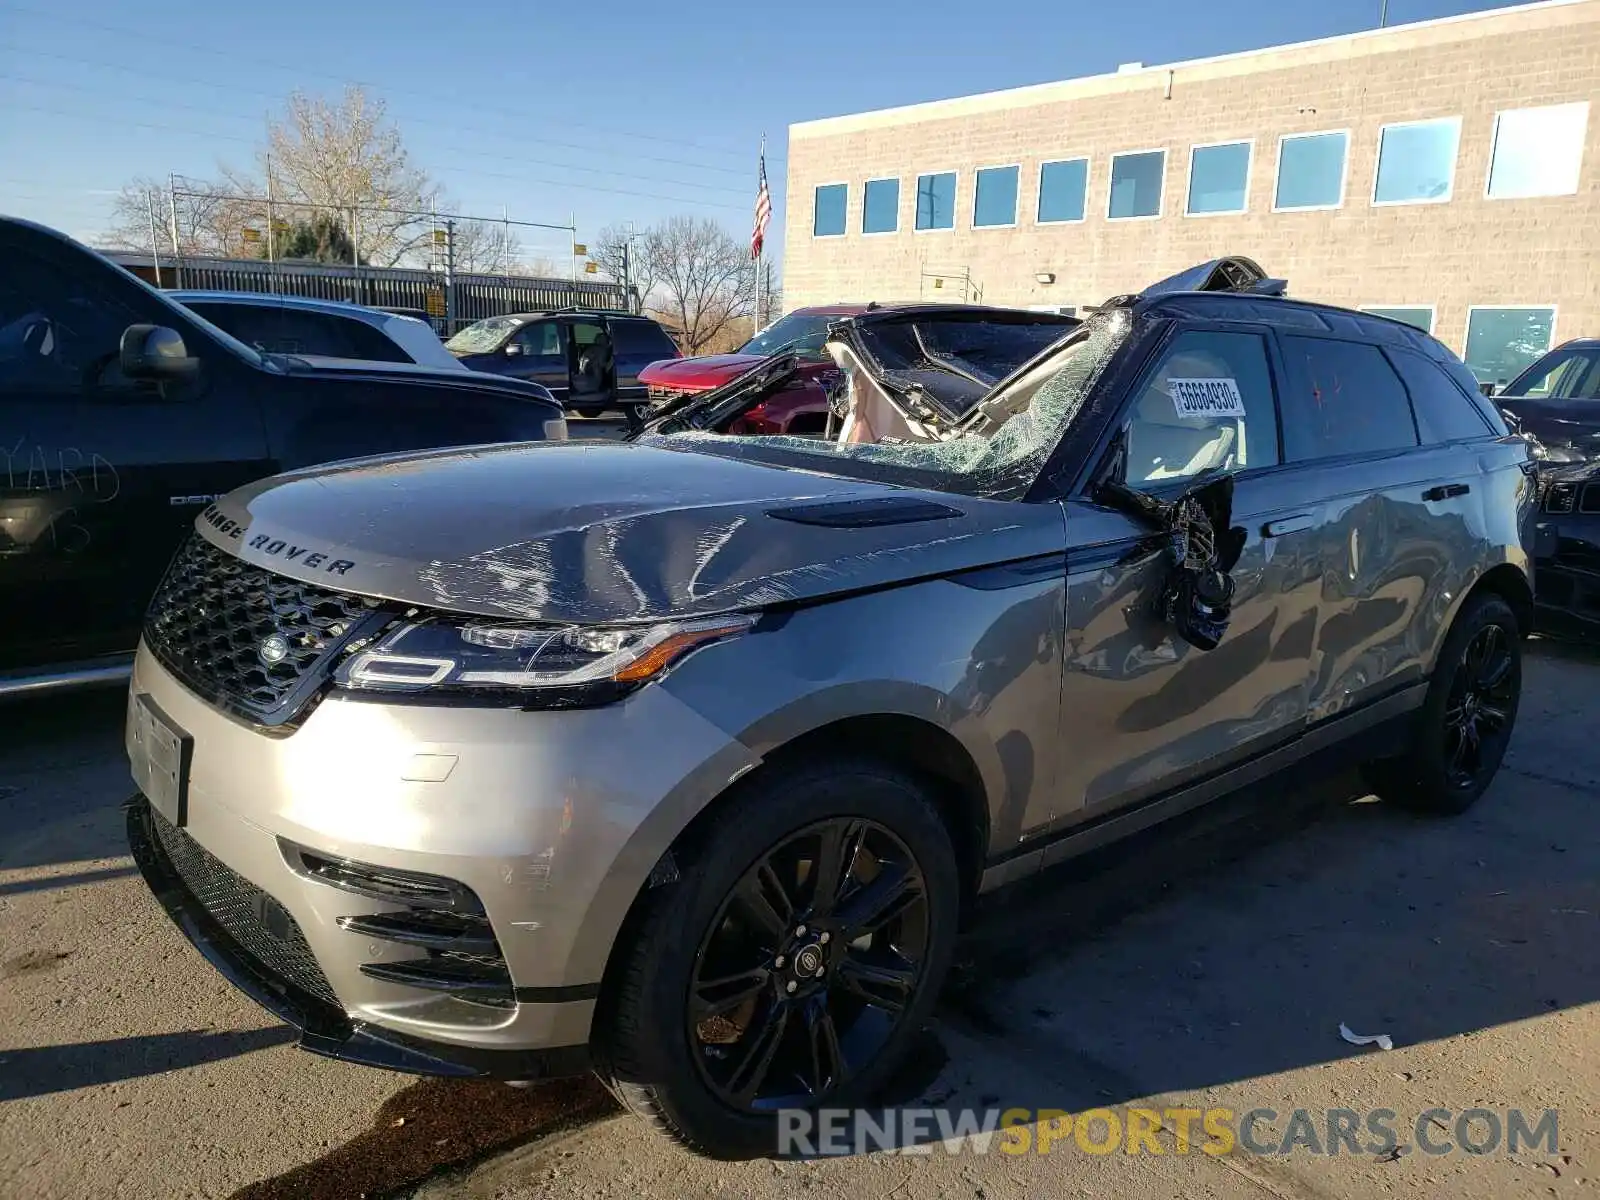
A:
[155, 352]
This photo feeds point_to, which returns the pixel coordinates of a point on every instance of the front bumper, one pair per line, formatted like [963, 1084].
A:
[324, 1027]
[532, 831]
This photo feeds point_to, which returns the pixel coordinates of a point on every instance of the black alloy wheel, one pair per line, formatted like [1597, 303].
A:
[1477, 716]
[808, 969]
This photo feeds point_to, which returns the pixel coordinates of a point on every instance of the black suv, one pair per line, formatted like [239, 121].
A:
[123, 414]
[589, 358]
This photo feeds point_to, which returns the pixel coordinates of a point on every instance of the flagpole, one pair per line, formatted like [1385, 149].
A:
[761, 249]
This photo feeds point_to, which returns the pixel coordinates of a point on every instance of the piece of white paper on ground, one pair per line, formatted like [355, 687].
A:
[1381, 1040]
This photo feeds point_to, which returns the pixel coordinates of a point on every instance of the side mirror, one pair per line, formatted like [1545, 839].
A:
[513, 349]
[155, 352]
[1488, 389]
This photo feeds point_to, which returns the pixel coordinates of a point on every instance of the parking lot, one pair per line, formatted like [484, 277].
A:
[1208, 965]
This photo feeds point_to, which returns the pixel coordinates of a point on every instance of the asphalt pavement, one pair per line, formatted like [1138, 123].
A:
[1208, 965]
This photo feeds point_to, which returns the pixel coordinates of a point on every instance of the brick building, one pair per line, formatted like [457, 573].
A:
[1446, 170]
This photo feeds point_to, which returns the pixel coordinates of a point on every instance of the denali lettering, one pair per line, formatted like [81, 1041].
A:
[279, 548]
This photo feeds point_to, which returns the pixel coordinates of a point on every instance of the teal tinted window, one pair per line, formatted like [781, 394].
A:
[1062, 186]
[1501, 342]
[1311, 171]
[1415, 316]
[880, 206]
[1136, 184]
[828, 218]
[994, 196]
[936, 201]
[1416, 162]
[1218, 178]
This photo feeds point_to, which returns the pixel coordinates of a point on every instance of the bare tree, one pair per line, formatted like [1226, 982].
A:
[702, 276]
[625, 255]
[348, 156]
[206, 221]
[487, 248]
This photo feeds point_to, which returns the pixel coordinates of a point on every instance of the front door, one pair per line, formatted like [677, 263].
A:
[1144, 711]
[100, 476]
[541, 356]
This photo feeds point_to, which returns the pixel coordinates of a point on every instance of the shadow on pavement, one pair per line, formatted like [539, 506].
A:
[73, 879]
[39, 1071]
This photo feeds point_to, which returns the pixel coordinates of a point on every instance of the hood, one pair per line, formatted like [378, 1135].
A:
[697, 374]
[317, 366]
[592, 532]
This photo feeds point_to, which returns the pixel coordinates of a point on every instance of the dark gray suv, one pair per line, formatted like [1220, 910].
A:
[681, 758]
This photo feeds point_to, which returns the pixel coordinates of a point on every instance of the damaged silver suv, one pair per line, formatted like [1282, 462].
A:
[681, 759]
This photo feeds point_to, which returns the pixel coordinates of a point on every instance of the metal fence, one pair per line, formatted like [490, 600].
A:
[467, 298]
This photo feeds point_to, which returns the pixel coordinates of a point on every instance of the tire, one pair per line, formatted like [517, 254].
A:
[589, 411]
[1447, 767]
[684, 1077]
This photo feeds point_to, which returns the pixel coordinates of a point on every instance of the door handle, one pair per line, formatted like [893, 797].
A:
[1446, 491]
[1285, 525]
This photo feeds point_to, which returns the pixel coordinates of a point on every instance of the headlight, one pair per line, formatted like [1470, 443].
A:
[533, 664]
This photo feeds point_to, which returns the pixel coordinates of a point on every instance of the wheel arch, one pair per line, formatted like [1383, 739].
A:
[915, 744]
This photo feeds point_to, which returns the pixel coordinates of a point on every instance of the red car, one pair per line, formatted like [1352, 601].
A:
[801, 407]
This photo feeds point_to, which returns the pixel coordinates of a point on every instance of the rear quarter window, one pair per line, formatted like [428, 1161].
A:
[1342, 398]
[1444, 412]
[640, 339]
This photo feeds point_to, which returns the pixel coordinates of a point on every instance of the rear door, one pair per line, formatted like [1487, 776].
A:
[100, 476]
[1143, 710]
[1407, 529]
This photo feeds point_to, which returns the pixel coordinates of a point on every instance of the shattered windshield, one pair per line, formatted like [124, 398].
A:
[998, 456]
[483, 337]
[801, 332]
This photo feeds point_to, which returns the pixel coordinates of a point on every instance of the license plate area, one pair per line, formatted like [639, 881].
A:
[160, 760]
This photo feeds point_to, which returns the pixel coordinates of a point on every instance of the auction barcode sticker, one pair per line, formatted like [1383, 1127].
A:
[1206, 397]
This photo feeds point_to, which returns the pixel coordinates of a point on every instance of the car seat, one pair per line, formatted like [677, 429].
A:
[1164, 445]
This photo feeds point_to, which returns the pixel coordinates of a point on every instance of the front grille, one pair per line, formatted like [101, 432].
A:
[260, 925]
[666, 393]
[1560, 498]
[213, 613]
[1591, 499]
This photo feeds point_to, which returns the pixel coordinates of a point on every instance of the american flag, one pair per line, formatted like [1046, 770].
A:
[763, 207]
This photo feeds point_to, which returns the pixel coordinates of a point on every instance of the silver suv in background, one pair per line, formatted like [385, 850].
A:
[681, 758]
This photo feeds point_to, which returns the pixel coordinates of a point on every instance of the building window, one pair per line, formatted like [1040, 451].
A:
[827, 218]
[1062, 188]
[936, 201]
[1136, 181]
[1219, 178]
[994, 196]
[880, 206]
[1310, 171]
[1417, 162]
[1537, 151]
[1502, 341]
[1419, 316]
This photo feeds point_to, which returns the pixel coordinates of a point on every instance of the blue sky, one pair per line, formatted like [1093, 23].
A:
[614, 110]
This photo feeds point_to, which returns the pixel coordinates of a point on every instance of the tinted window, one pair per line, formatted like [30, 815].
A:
[1136, 184]
[1565, 375]
[828, 217]
[936, 201]
[1342, 398]
[541, 339]
[364, 341]
[1062, 186]
[1208, 405]
[1502, 342]
[1311, 171]
[294, 331]
[1416, 162]
[1538, 151]
[880, 206]
[994, 196]
[639, 338]
[1415, 316]
[60, 329]
[1218, 178]
[1444, 412]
